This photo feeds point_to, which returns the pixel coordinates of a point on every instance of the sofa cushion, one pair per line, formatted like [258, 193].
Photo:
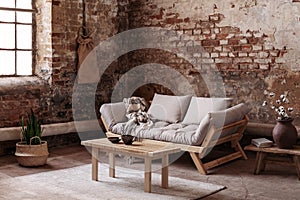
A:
[169, 108]
[113, 113]
[163, 131]
[219, 119]
[200, 106]
[230, 115]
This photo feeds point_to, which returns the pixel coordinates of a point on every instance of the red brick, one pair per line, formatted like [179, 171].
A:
[237, 48]
[222, 36]
[210, 43]
[229, 29]
[246, 48]
[223, 60]
[233, 41]
[173, 20]
[253, 40]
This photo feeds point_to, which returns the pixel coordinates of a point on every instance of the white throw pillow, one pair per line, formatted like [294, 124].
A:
[169, 108]
[200, 106]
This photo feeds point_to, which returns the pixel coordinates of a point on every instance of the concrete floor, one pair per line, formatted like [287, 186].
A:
[277, 182]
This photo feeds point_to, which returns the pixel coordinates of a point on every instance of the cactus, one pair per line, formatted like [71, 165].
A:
[32, 129]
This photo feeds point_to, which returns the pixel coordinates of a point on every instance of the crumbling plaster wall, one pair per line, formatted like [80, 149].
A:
[278, 19]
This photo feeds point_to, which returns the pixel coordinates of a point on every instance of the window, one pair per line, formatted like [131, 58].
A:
[16, 36]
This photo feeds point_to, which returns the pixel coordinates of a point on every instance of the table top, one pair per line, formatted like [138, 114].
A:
[146, 148]
[274, 149]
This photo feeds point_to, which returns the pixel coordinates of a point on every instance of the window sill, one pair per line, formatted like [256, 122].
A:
[24, 80]
[12, 83]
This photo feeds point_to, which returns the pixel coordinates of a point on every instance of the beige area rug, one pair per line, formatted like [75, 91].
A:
[76, 183]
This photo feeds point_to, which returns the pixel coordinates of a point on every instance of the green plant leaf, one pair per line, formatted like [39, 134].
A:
[32, 129]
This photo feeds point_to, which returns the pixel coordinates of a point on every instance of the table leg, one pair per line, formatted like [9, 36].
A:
[95, 164]
[256, 162]
[147, 181]
[111, 157]
[264, 162]
[164, 171]
[259, 162]
[297, 164]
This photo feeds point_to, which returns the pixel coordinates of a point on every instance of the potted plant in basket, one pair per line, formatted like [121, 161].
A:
[284, 133]
[32, 151]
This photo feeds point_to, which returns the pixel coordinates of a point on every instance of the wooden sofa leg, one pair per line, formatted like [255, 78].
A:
[240, 149]
[198, 163]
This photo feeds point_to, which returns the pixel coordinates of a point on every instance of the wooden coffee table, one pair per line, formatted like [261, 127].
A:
[274, 155]
[147, 149]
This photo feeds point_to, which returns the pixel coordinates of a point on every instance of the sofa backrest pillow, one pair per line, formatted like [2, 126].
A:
[200, 106]
[169, 108]
[219, 119]
[113, 113]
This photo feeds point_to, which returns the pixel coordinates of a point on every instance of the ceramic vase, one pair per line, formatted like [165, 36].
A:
[285, 134]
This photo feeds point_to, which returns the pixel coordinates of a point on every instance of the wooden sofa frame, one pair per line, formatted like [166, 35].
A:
[212, 139]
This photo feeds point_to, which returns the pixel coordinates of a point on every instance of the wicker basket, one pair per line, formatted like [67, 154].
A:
[32, 155]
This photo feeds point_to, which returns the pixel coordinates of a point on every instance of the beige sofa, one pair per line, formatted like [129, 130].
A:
[195, 124]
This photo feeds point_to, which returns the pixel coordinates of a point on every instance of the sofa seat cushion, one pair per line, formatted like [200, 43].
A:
[164, 131]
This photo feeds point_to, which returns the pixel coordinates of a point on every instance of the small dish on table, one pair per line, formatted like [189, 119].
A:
[127, 139]
[114, 139]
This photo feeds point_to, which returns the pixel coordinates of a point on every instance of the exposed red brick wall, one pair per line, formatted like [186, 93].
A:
[52, 98]
[15, 101]
[247, 61]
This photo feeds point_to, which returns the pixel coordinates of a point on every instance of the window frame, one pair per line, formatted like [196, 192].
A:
[33, 36]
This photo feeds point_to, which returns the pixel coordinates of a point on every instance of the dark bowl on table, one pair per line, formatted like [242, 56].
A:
[127, 139]
[114, 139]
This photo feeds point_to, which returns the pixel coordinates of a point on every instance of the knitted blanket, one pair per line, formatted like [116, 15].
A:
[138, 118]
